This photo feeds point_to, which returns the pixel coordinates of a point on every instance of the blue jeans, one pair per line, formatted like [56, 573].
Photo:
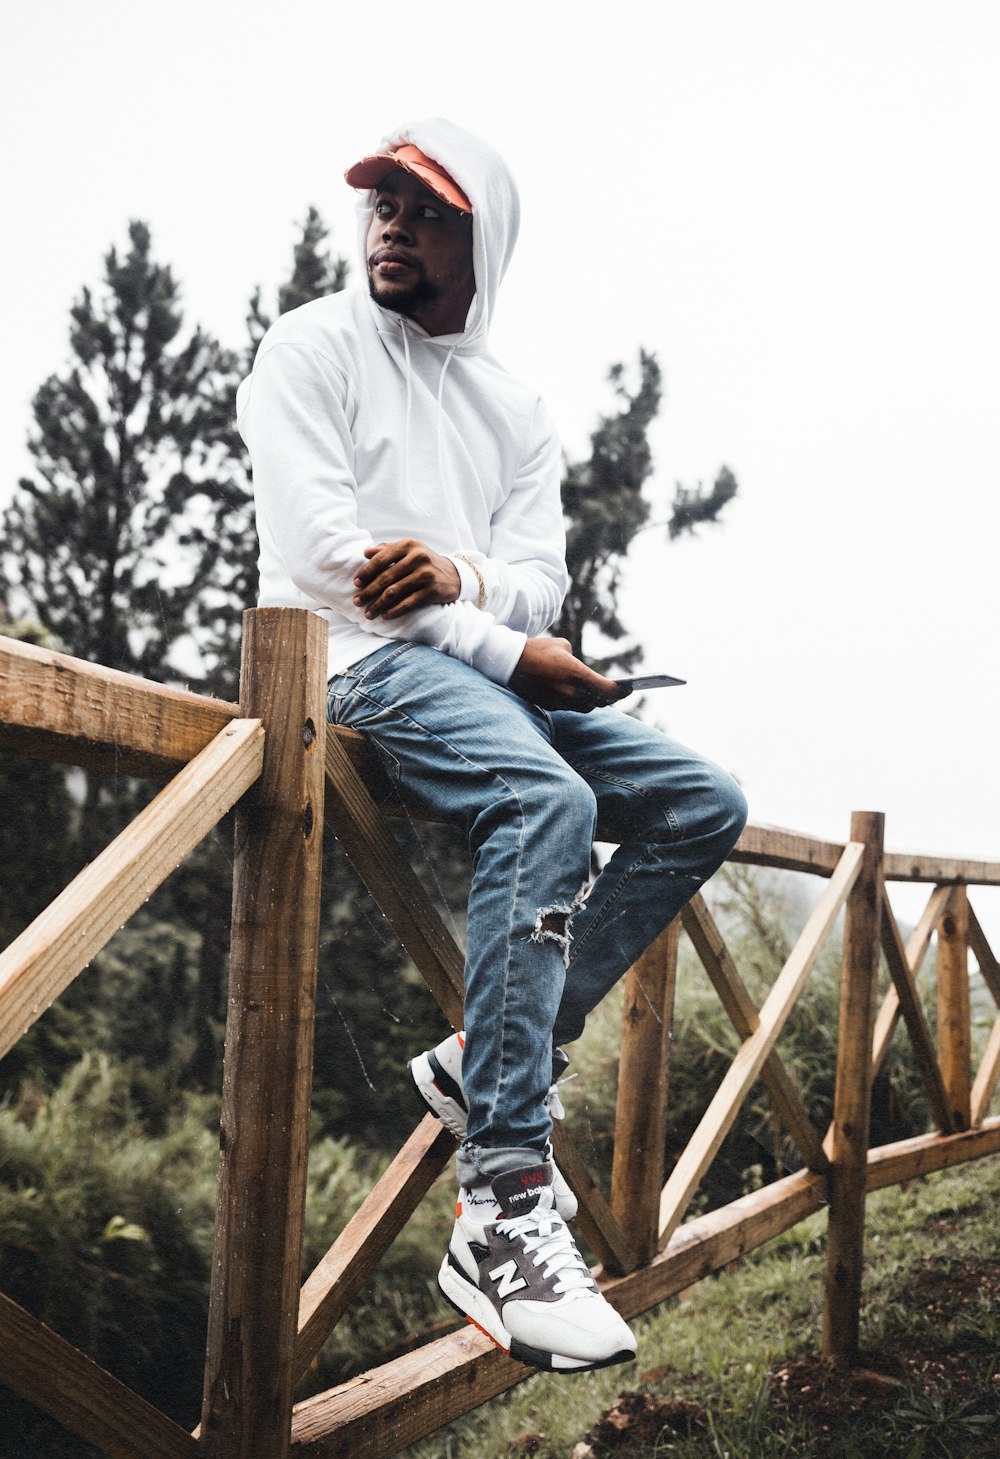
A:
[530, 789]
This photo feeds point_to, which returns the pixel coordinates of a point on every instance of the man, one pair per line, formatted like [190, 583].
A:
[407, 489]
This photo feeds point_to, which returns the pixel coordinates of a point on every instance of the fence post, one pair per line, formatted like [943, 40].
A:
[852, 1096]
[641, 1111]
[953, 1017]
[267, 1080]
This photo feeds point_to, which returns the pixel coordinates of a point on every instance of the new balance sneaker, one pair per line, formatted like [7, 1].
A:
[514, 1271]
[437, 1073]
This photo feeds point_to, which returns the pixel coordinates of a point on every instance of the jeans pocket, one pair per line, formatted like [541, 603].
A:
[337, 691]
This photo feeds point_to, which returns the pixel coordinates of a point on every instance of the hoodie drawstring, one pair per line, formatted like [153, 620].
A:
[440, 412]
[406, 418]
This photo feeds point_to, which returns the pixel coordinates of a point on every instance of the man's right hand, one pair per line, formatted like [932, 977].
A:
[549, 674]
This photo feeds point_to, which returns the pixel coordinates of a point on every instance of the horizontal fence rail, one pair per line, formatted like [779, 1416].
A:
[273, 757]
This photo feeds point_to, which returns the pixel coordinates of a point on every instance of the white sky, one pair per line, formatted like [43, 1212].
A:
[794, 204]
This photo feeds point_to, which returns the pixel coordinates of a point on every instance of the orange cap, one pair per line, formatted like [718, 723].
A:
[370, 171]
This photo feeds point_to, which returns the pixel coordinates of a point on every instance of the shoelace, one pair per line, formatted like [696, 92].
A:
[548, 1240]
[553, 1103]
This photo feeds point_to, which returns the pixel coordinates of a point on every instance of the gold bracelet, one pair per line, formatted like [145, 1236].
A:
[481, 600]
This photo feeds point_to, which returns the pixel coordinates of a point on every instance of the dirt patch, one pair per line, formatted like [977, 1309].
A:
[947, 1362]
[813, 1387]
[641, 1418]
[946, 1290]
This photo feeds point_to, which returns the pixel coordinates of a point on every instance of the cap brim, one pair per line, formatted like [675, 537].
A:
[370, 171]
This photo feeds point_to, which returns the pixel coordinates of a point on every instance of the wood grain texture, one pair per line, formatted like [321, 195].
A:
[60, 708]
[641, 1110]
[61, 941]
[953, 1010]
[787, 850]
[903, 997]
[909, 1159]
[724, 976]
[56, 1377]
[254, 1299]
[904, 866]
[725, 1105]
[852, 1096]
[986, 1079]
[339, 1276]
[983, 953]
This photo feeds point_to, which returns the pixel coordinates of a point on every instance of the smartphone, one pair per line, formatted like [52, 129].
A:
[649, 681]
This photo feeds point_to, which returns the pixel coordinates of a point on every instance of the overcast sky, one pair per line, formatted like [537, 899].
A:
[794, 204]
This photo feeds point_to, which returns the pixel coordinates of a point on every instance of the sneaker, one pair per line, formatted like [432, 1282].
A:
[438, 1077]
[514, 1271]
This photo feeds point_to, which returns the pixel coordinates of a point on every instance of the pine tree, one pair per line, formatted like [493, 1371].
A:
[315, 273]
[109, 544]
[605, 509]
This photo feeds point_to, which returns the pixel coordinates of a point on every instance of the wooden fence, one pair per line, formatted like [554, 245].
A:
[274, 755]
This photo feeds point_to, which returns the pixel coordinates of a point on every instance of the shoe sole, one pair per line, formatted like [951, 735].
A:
[440, 1093]
[470, 1303]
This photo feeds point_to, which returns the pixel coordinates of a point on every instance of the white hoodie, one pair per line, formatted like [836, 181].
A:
[363, 429]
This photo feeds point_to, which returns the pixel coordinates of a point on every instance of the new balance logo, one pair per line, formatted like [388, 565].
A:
[507, 1278]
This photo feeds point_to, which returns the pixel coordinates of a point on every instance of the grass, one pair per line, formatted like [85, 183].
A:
[732, 1371]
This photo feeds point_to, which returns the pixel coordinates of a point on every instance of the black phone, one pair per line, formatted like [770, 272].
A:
[649, 681]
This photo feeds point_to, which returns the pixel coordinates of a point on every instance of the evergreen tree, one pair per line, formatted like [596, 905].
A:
[108, 545]
[315, 273]
[605, 509]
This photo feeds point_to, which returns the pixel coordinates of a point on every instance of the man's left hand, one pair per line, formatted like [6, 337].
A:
[401, 576]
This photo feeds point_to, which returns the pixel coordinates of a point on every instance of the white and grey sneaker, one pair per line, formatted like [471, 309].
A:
[437, 1073]
[514, 1271]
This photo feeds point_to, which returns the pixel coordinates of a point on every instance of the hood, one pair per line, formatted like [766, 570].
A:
[496, 212]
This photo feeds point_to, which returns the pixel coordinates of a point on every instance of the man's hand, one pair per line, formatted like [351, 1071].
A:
[401, 576]
[549, 675]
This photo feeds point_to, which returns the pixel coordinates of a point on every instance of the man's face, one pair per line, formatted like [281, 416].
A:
[419, 254]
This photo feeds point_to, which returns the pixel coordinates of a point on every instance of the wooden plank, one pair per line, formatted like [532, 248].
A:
[61, 941]
[56, 1377]
[339, 1276]
[595, 1217]
[986, 1079]
[641, 1111]
[60, 708]
[983, 953]
[906, 866]
[722, 971]
[916, 951]
[745, 1068]
[909, 1159]
[254, 1298]
[852, 1097]
[390, 1407]
[904, 965]
[787, 850]
[954, 1015]
[382, 1411]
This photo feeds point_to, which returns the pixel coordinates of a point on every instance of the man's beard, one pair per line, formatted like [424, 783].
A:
[418, 297]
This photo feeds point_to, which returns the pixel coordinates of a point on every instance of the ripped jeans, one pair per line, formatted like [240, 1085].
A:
[530, 788]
